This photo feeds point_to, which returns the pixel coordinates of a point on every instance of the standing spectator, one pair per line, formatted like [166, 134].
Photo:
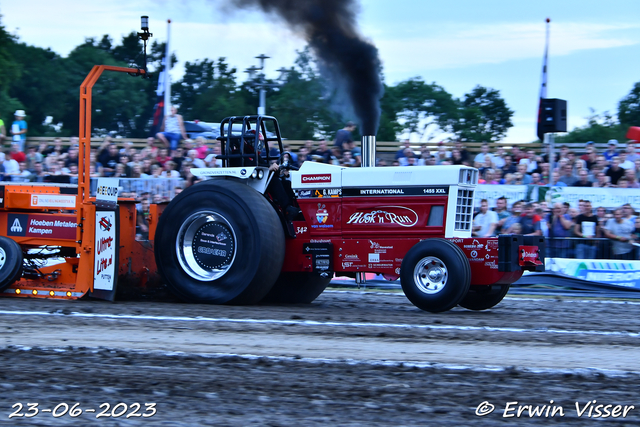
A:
[619, 231]
[560, 225]
[464, 153]
[408, 154]
[615, 172]
[530, 222]
[522, 170]
[602, 180]
[19, 129]
[108, 158]
[484, 152]
[630, 174]
[567, 175]
[3, 133]
[628, 213]
[583, 179]
[11, 167]
[530, 161]
[201, 147]
[401, 152]
[16, 154]
[509, 166]
[442, 154]
[323, 152]
[484, 224]
[498, 158]
[611, 152]
[632, 155]
[172, 130]
[456, 158]
[587, 228]
[624, 162]
[514, 218]
[344, 139]
[151, 148]
[192, 156]
[502, 212]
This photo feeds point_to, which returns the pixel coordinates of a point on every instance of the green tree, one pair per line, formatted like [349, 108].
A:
[629, 108]
[118, 99]
[599, 128]
[303, 103]
[9, 73]
[483, 116]
[422, 107]
[43, 87]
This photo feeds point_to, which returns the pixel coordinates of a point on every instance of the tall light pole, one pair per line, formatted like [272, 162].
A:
[258, 80]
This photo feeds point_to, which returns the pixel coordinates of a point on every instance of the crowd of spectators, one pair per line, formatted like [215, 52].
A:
[559, 222]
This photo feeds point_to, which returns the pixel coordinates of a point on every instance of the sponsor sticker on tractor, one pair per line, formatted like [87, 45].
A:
[385, 215]
[316, 178]
[53, 201]
[36, 225]
[105, 251]
[107, 189]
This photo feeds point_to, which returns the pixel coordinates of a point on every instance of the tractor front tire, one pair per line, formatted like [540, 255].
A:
[10, 262]
[219, 242]
[435, 275]
[297, 288]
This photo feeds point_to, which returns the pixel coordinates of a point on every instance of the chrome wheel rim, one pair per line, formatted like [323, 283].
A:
[3, 258]
[430, 275]
[206, 246]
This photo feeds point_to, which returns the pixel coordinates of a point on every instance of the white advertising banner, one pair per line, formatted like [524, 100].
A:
[513, 193]
[105, 251]
[625, 274]
[606, 197]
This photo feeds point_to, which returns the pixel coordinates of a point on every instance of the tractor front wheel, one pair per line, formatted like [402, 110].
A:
[435, 275]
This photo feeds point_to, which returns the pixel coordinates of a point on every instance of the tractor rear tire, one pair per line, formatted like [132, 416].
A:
[435, 275]
[297, 288]
[220, 242]
[10, 262]
[484, 297]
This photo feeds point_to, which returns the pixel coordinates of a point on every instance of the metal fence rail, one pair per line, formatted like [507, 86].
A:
[580, 248]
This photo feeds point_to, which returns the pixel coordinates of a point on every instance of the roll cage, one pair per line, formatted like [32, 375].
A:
[247, 148]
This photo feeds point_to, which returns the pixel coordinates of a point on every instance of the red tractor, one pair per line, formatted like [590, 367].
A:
[251, 231]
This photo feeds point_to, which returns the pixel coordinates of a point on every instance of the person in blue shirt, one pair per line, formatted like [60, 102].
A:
[19, 129]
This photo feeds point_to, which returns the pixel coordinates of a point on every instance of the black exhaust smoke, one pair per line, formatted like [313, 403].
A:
[329, 26]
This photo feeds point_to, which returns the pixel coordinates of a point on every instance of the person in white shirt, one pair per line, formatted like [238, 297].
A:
[480, 157]
[484, 224]
[624, 162]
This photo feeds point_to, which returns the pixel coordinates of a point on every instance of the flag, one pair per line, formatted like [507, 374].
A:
[158, 109]
[543, 88]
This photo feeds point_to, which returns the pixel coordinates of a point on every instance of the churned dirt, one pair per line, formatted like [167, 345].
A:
[348, 359]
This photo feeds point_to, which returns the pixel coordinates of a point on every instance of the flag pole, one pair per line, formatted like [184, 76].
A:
[167, 78]
[543, 95]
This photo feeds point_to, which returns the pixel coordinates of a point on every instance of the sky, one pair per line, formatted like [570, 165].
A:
[594, 52]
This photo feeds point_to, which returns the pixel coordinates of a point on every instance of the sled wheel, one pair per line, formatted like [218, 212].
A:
[10, 262]
[484, 297]
[219, 242]
[435, 275]
[297, 288]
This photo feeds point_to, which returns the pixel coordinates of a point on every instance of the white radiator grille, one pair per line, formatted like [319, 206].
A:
[464, 210]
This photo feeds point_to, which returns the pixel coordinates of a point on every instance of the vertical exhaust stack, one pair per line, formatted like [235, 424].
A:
[368, 151]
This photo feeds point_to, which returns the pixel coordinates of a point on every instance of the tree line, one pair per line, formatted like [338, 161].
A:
[306, 104]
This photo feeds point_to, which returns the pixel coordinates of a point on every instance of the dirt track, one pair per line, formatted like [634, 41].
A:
[348, 359]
